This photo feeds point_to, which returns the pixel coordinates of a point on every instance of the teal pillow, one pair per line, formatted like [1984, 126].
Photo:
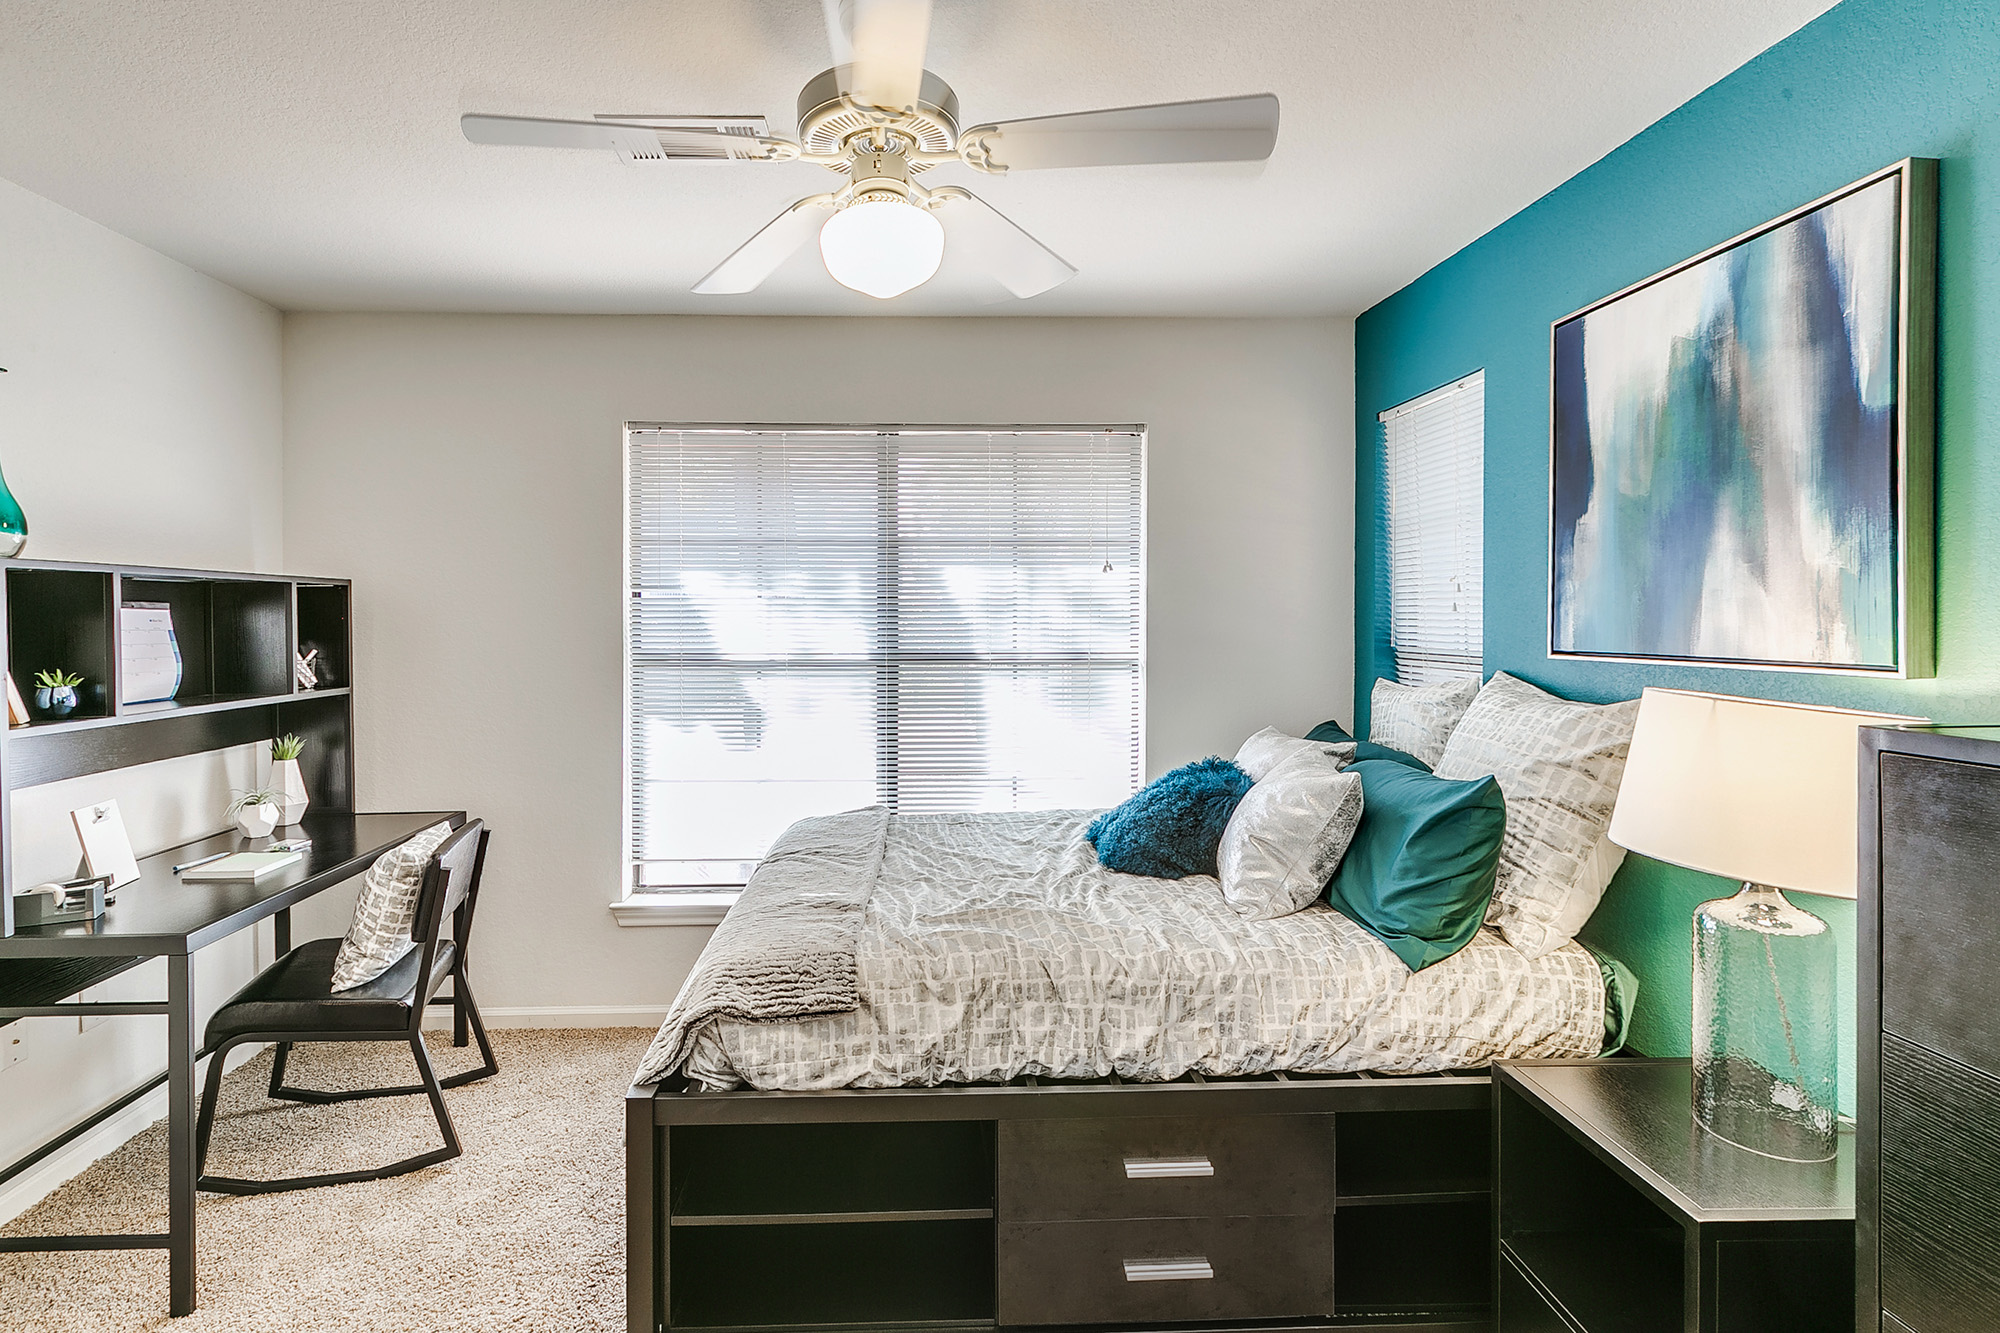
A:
[1335, 734]
[1419, 872]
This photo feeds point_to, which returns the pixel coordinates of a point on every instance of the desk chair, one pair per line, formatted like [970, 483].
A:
[293, 1000]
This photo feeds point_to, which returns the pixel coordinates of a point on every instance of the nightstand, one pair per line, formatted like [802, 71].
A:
[1615, 1213]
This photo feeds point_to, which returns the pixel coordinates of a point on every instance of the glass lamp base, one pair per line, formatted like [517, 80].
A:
[1765, 1034]
[13, 524]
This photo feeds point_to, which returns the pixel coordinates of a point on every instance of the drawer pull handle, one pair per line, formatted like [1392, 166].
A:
[1156, 1168]
[1191, 1269]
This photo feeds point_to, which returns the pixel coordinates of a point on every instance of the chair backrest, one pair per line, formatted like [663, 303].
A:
[450, 884]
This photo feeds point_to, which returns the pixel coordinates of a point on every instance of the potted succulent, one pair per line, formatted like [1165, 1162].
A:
[285, 776]
[256, 811]
[55, 692]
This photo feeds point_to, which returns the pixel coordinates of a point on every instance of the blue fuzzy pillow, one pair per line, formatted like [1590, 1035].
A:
[1170, 828]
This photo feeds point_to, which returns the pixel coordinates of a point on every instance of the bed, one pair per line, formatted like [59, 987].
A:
[960, 1075]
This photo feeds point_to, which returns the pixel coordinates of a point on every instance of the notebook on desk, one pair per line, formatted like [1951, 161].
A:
[242, 866]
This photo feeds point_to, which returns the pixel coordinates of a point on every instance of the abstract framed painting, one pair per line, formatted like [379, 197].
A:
[1740, 467]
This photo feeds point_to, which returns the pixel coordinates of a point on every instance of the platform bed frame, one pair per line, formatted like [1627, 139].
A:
[1301, 1202]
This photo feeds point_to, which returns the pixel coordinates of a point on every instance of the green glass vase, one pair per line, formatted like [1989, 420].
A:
[13, 523]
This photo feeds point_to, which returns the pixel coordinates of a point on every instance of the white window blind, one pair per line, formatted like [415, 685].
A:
[1434, 450]
[821, 619]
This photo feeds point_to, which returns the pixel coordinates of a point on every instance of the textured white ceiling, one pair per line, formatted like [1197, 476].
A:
[308, 151]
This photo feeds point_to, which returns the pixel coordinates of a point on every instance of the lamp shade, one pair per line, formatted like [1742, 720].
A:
[1745, 788]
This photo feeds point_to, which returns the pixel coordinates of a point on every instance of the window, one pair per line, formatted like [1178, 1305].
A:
[1434, 456]
[820, 619]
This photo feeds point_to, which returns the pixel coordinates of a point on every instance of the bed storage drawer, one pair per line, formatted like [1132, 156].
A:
[1165, 1270]
[1164, 1166]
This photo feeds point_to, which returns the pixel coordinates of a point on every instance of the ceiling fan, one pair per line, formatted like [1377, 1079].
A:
[879, 118]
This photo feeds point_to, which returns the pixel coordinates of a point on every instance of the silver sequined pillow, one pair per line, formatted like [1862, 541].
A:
[1288, 835]
[1418, 719]
[1559, 764]
[1271, 747]
[380, 931]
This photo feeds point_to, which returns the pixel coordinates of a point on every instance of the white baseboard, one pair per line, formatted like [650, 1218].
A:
[29, 1188]
[561, 1016]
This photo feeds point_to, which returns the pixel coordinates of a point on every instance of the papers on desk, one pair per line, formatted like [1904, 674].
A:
[241, 867]
[149, 658]
[106, 849]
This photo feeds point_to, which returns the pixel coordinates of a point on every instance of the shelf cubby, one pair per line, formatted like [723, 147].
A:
[1413, 1156]
[61, 619]
[1415, 1259]
[234, 635]
[851, 1169]
[323, 624]
[868, 1275]
[1626, 1280]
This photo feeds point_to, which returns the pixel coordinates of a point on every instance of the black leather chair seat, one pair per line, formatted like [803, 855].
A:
[296, 994]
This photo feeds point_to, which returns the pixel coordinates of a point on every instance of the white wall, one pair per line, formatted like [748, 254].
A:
[465, 471]
[139, 422]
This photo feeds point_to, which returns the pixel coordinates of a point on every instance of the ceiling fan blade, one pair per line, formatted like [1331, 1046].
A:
[758, 258]
[1224, 129]
[533, 132]
[888, 39]
[839, 29]
[990, 239]
[648, 139]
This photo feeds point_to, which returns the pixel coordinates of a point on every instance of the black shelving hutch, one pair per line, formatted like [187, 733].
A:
[238, 635]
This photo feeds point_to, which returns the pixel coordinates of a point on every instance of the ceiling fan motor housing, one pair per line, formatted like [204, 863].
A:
[829, 119]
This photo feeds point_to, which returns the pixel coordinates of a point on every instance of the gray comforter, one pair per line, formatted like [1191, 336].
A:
[972, 948]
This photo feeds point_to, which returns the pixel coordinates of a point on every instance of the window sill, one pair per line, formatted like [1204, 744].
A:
[674, 909]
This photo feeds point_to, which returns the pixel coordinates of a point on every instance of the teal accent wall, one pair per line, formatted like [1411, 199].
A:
[1868, 83]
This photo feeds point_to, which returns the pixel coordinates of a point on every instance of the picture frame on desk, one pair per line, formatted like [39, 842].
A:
[107, 850]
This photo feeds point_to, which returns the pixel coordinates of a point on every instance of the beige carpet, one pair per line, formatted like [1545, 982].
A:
[524, 1231]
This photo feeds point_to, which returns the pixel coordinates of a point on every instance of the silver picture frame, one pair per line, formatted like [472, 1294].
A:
[1914, 475]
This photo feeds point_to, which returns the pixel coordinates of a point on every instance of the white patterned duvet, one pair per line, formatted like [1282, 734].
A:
[994, 946]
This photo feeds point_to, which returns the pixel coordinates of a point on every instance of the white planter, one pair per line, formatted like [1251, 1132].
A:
[285, 776]
[257, 821]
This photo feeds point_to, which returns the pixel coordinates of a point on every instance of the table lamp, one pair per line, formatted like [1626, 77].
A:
[1764, 793]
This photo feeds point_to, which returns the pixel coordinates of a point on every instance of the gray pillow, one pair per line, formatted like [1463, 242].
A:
[1559, 764]
[1271, 747]
[380, 931]
[1288, 835]
[1418, 719]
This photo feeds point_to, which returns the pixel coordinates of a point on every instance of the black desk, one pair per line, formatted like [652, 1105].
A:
[160, 917]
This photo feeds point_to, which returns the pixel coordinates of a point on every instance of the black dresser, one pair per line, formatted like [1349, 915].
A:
[1928, 1124]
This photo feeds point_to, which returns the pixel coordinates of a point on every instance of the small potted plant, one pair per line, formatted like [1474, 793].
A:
[55, 692]
[285, 776]
[256, 811]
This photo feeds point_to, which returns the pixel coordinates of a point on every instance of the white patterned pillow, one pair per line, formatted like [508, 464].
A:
[1418, 719]
[1559, 764]
[380, 931]
[1271, 747]
[1288, 835]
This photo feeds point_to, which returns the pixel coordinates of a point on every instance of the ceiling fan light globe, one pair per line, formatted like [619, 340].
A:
[882, 248]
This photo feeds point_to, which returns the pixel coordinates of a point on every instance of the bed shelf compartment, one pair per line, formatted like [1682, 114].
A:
[1397, 1157]
[865, 1275]
[851, 1171]
[1431, 1259]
